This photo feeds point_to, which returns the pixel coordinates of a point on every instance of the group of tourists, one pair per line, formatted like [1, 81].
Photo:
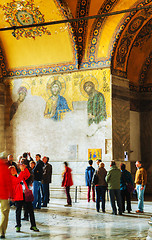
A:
[119, 183]
[25, 184]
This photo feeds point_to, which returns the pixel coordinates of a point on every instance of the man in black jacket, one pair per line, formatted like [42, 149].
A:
[47, 177]
[38, 174]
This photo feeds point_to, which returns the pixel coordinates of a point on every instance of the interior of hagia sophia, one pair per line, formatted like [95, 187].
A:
[49, 67]
[75, 85]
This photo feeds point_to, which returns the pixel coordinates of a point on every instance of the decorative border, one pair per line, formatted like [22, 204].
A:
[146, 88]
[146, 66]
[4, 71]
[123, 39]
[133, 87]
[97, 28]
[33, 71]
[82, 10]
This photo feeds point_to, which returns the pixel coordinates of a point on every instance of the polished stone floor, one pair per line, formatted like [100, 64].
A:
[82, 222]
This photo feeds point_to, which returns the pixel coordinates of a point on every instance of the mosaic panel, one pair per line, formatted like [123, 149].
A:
[60, 91]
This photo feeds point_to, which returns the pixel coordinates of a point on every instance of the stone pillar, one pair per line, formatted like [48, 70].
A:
[120, 117]
[2, 122]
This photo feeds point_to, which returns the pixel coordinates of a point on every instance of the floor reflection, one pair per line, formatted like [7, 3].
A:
[82, 222]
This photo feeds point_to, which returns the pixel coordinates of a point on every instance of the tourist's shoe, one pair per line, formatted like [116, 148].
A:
[114, 213]
[139, 211]
[25, 219]
[2, 236]
[35, 229]
[68, 205]
[150, 222]
[129, 211]
[43, 205]
[17, 229]
[120, 213]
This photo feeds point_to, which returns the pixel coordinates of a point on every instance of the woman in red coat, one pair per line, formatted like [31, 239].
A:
[18, 196]
[67, 183]
[5, 194]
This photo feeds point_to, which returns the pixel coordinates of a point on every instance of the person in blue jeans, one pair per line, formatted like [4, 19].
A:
[101, 187]
[38, 174]
[89, 172]
[140, 181]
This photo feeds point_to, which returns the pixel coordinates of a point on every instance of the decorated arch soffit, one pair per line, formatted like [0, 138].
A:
[81, 27]
[131, 32]
[143, 85]
[92, 59]
[26, 12]
[3, 68]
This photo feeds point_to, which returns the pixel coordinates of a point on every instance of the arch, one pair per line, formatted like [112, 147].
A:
[3, 68]
[81, 27]
[143, 75]
[97, 28]
[128, 36]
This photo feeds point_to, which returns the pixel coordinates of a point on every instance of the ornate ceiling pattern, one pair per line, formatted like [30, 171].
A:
[134, 33]
[68, 47]
[106, 7]
[128, 37]
[20, 13]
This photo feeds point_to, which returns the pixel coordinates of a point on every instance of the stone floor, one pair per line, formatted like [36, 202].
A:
[82, 222]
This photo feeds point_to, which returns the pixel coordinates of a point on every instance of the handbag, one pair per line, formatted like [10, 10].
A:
[29, 197]
[130, 187]
[95, 179]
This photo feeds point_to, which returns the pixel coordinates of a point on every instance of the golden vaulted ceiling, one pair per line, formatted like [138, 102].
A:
[121, 41]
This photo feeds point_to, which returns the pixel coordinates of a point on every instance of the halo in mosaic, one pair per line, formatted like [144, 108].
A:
[22, 13]
[88, 78]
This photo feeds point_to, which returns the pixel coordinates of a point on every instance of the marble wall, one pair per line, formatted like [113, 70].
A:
[120, 117]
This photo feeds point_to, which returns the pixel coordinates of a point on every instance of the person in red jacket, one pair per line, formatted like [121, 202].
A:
[5, 194]
[19, 183]
[67, 182]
